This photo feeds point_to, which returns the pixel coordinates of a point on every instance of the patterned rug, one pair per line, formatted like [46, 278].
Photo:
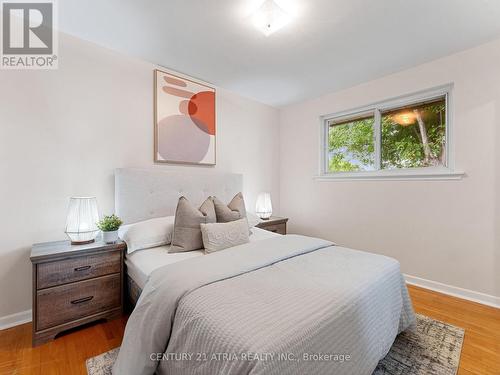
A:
[432, 349]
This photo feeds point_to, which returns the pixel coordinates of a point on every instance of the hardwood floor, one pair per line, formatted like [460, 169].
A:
[64, 356]
[481, 348]
[67, 354]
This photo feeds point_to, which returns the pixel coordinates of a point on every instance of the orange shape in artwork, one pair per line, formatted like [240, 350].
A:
[187, 107]
[204, 109]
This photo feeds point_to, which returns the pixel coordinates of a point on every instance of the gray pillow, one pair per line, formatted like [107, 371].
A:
[235, 210]
[220, 236]
[187, 232]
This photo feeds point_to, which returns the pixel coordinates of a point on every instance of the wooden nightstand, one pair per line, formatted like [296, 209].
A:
[274, 224]
[74, 285]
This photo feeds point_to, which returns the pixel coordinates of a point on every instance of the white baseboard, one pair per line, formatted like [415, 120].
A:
[15, 319]
[454, 291]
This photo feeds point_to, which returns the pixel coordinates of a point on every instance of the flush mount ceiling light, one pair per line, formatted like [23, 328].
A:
[270, 17]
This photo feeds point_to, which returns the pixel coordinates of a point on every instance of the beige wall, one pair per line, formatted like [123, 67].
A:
[63, 132]
[444, 231]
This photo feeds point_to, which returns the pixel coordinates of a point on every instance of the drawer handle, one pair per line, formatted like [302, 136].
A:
[273, 230]
[81, 300]
[83, 268]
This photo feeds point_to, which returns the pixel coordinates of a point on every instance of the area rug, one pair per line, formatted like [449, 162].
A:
[432, 349]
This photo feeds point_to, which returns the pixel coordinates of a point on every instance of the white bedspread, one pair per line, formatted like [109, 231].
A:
[286, 305]
[140, 264]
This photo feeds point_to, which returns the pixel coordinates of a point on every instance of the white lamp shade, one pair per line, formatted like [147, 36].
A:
[264, 207]
[81, 224]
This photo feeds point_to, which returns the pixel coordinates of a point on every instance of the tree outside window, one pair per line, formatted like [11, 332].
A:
[413, 136]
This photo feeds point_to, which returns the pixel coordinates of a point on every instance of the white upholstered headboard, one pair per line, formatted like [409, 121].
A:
[142, 194]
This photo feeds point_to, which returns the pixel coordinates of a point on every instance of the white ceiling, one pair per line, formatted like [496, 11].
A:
[330, 44]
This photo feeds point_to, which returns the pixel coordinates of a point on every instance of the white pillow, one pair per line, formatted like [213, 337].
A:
[220, 236]
[148, 233]
[253, 219]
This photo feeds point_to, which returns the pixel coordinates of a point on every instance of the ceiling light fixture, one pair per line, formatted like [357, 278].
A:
[270, 17]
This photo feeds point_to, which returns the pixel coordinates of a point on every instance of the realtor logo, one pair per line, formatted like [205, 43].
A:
[28, 35]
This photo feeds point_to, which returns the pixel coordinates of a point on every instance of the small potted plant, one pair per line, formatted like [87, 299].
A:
[109, 226]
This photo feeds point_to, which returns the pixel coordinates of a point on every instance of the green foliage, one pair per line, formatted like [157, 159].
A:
[109, 223]
[402, 146]
[351, 146]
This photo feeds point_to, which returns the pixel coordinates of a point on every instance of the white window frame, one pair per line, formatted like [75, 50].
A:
[447, 172]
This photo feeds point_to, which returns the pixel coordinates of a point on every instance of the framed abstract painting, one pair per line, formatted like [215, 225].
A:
[185, 129]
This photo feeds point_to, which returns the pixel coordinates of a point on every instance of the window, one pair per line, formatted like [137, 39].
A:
[414, 136]
[351, 145]
[401, 137]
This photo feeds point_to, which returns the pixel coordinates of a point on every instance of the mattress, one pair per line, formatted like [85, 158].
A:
[140, 264]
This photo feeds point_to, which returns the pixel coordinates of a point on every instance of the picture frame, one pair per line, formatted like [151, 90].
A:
[184, 120]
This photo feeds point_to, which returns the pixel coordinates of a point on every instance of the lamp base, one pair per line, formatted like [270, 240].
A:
[82, 242]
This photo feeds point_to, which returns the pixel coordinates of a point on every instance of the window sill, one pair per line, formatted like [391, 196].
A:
[402, 175]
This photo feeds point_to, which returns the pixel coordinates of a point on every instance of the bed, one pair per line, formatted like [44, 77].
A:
[142, 194]
[276, 305]
[140, 264]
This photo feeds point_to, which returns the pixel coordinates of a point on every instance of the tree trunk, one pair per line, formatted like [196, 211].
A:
[425, 141]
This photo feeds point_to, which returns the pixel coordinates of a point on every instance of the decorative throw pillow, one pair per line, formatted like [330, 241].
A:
[187, 232]
[148, 233]
[220, 236]
[235, 210]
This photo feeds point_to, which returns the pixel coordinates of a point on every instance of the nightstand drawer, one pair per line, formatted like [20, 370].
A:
[76, 269]
[277, 228]
[69, 302]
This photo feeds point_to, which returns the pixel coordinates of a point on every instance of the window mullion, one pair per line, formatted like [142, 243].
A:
[377, 138]
[325, 147]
